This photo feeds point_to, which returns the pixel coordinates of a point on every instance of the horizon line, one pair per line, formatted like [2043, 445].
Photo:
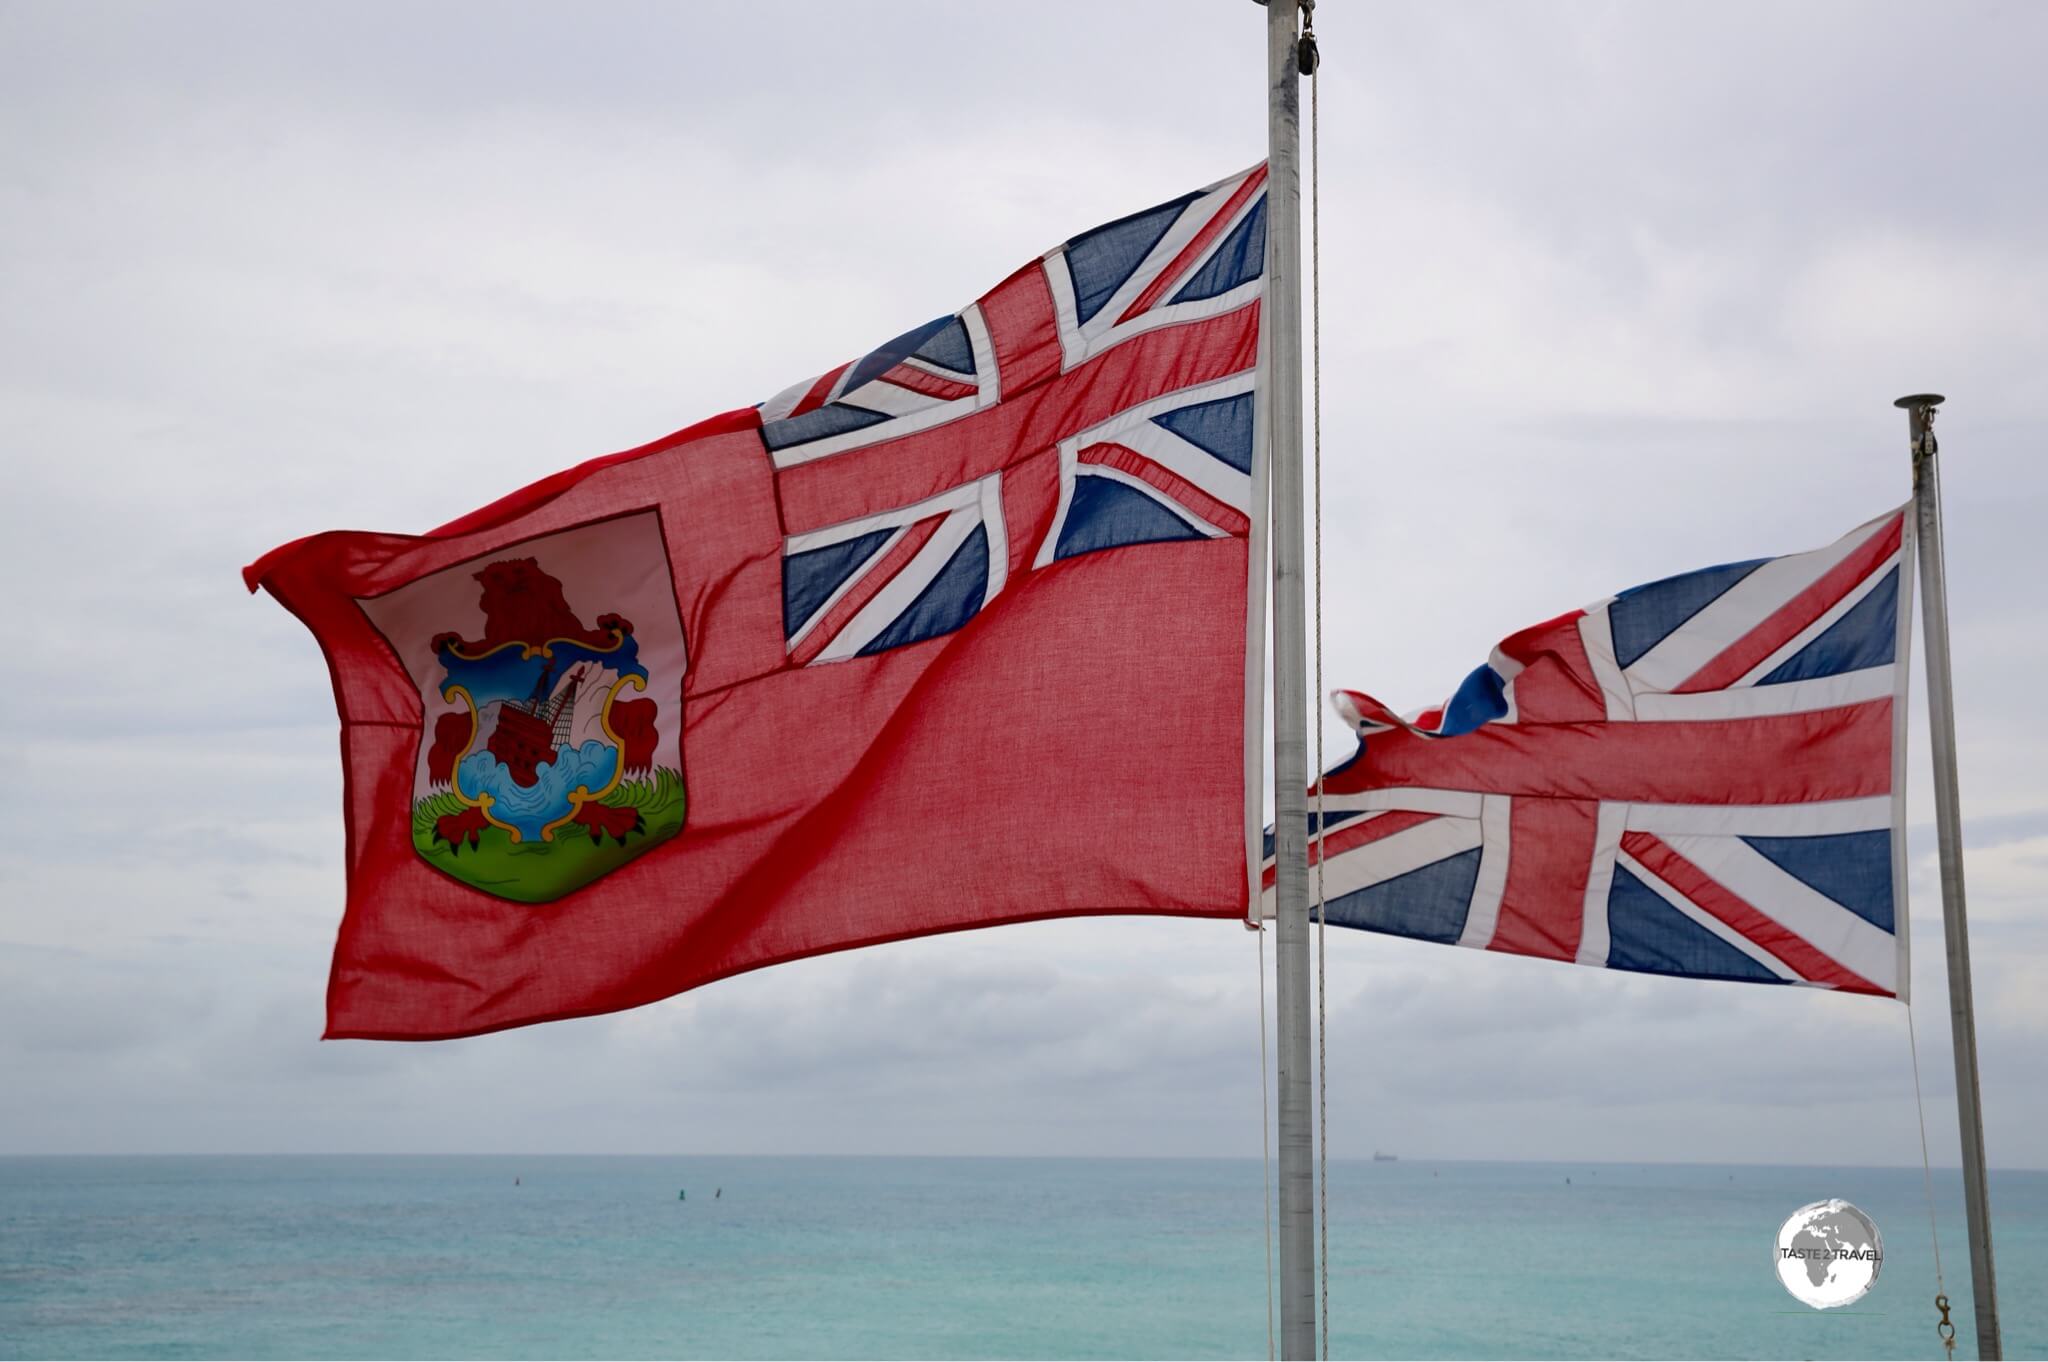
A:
[1154, 1158]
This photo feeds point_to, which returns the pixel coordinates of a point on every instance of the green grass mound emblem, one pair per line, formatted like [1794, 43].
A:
[638, 814]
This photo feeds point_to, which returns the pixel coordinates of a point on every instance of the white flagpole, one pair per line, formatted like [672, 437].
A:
[1282, 321]
[1948, 826]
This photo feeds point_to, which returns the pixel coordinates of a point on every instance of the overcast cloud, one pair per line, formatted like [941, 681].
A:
[1610, 291]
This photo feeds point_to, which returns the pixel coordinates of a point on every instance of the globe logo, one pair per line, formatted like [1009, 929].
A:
[1828, 1254]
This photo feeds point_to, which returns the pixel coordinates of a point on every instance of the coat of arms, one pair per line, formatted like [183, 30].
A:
[551, 748]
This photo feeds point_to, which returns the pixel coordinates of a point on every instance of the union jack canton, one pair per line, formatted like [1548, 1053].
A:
[908, 478]
[1702, 776]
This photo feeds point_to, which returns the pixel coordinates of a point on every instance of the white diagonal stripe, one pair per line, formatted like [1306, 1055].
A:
[1727, 618]
[878, 394]
[1791, 647]
[838, 592]
[1346, 825]
[952, 499]
[1178, 314]
[1411, 799]
[1756, 702]
[1832, 929]
[1819, 819]
[784, 402]
[903, 589]
[1232, 386]
[1694, 913]
[1066, 312]
[1411, 849]
[1188, 461]
[935, 369]
[1166, 502]
[1193, 218]
[894, 429]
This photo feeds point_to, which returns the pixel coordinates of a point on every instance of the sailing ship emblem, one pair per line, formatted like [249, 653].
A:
[549, 753]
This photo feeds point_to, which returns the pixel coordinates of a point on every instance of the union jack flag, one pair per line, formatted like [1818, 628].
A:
[1101, 396]
[1702, 776]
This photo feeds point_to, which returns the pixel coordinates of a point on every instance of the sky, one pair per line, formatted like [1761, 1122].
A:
[1608, 292]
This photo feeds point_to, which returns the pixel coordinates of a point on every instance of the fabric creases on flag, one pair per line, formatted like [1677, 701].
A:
[878, 658]
[1702, 777]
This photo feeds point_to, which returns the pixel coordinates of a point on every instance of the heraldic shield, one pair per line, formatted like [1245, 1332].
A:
[550, 676]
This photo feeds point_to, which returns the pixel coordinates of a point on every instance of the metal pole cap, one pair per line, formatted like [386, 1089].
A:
[1919, 409]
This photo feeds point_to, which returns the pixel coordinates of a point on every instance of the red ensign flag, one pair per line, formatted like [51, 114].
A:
[957, 634]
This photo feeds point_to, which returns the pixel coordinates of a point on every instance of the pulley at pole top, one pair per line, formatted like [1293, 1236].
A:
[1920, 408]
[1307, 55]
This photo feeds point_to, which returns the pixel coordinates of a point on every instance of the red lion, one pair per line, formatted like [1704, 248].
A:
[633, 721]
[451, 735]
[523, 604]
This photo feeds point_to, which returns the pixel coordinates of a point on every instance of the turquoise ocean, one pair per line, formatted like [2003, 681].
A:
[930, 1257]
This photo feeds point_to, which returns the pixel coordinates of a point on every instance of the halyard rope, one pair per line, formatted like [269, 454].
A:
[1946, 1329]
[1265, 1144]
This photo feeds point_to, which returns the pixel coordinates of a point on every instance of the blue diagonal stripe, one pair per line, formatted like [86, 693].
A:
[1647, 934]
[1852, 868]
[1429, 903]
[948, 601]
[1867, 635]
[1101, 260]
[1107, 514]
[1239, 260]
[1644, 616]
[1221, 428]
[809, 578]
[834, 418]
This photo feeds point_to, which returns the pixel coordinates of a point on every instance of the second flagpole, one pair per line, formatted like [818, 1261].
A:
[1948, 828]
[1282, 320]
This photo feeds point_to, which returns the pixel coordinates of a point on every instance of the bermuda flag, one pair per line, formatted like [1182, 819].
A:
[959, 633]
[1702, 776]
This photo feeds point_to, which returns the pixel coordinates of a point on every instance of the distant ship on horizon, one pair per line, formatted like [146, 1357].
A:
[1378, 1157]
